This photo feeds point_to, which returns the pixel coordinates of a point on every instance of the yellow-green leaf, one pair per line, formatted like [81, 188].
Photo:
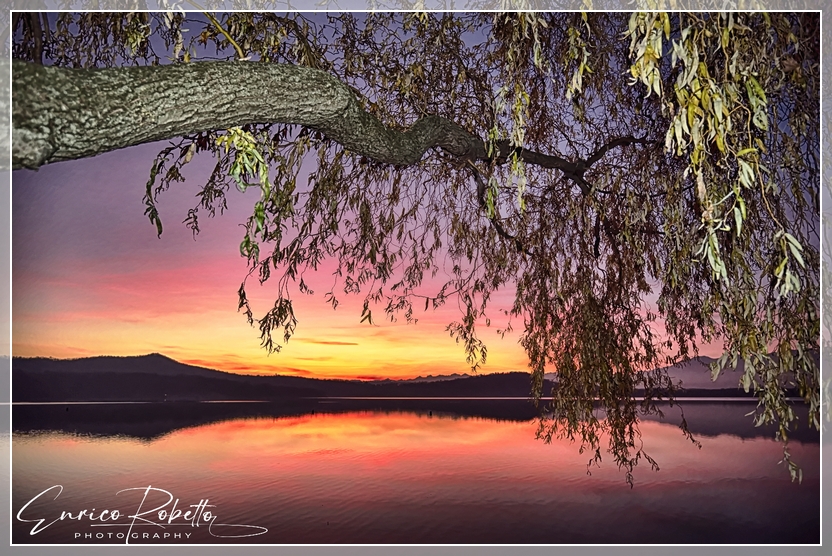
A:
[720, 143]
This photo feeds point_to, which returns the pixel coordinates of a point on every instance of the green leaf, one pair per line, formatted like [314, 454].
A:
[760, 120]
[793, 241]
[259, 216]
[746, 173]
[797, 255]
[711, 260]
[746, 382]
[245, 246]
[717, 107]
[758, 90]
[738, 219]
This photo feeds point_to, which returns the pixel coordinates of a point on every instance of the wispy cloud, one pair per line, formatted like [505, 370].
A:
[325, 342]
[298, 372]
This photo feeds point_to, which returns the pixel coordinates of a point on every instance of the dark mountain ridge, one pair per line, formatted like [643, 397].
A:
[155, 377]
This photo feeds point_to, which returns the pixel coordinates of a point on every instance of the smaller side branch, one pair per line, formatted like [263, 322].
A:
[573, 171]
[498, 227]
[226, 34]
[619, 142]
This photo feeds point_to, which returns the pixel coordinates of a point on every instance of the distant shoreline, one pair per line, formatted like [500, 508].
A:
[156, 378]
[677, 399]
[150, 420]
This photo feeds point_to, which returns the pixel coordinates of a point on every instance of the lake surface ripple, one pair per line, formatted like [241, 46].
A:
[399, 472]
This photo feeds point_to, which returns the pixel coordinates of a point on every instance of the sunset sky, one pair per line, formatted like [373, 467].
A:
[91, 278]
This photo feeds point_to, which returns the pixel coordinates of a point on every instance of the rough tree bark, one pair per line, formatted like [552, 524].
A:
[65, 114]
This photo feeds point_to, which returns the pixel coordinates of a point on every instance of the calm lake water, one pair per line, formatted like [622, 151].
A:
[395, 471]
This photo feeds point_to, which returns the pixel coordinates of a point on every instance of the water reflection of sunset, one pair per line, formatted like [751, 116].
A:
[368, 440]
[368, 476]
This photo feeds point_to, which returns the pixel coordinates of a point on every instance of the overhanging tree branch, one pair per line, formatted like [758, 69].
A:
[65, 114]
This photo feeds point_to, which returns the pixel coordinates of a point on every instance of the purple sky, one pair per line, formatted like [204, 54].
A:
[90, 277]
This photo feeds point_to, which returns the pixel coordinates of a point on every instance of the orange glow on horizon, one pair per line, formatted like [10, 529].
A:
[327, 344]
[90, 277]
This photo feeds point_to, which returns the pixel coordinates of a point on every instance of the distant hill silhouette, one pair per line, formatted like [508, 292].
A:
[429, 378]
[695, 375]
[155, 377]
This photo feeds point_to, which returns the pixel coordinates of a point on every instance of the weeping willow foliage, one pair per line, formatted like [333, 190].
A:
[650, 184]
